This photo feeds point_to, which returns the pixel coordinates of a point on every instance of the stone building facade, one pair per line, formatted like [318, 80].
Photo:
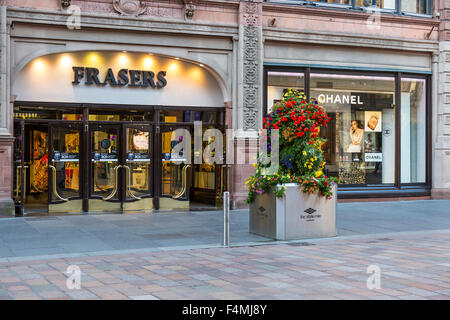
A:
[242, 44]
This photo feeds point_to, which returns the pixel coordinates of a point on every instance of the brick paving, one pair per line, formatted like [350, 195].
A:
[413, 266]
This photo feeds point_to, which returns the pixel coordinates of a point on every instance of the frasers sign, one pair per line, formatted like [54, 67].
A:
[125, 77]
[344, 99]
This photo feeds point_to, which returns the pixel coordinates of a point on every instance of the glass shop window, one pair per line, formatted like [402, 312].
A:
[279, 82]
[413, 130]
[361, 134]
[47, 113]
[382, 4]
[346, 2]
[415, 6]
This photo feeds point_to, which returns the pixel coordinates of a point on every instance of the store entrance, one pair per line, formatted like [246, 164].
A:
[120, 167]
[47, 168]
[89, 163]
[31, 168]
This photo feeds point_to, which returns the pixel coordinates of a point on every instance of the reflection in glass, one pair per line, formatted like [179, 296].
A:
[39, 162]
[346, 2]
[138, 163]
[414, 6]
[105, 162]
[174, 168]
[383, 4]
[413, 131]
[279, 82]
[66, 163]
[171, 172]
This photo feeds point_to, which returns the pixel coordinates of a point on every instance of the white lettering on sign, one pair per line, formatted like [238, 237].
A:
[345, 99]
[373, 157]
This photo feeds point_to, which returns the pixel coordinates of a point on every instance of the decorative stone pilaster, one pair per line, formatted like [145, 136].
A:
[441, 121]
[250, 92]
[6, 139]
[251, 50]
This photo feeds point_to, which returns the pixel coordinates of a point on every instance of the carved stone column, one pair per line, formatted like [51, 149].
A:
[250, 92]
[251, 62]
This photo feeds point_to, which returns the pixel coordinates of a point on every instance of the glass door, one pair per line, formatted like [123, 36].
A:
[137, 164]
[32, 169]
[19, 167]
[64, 169]
[106, 171]
[175, 162]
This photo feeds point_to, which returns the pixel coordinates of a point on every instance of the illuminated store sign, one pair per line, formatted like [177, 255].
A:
[125, 77]
[346, 99]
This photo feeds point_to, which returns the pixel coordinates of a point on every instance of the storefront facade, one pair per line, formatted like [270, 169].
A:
[375, 148]
[88, 114]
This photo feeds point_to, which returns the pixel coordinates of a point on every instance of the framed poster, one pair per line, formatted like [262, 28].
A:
[373, 121]
[140, 141]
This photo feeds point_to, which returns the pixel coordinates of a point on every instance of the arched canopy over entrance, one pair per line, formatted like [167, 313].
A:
[107, 77]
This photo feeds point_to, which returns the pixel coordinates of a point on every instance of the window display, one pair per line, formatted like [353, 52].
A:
[363, 154]
[413, 135]
[361, 136]
[279, 82]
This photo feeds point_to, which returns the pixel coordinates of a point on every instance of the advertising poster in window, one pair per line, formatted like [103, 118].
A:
[373, 121]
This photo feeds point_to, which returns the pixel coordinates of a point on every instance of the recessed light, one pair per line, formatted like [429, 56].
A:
[177, 58]
[202, 65]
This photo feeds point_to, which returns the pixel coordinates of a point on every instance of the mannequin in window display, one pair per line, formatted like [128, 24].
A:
[356, 136]
[369, 143]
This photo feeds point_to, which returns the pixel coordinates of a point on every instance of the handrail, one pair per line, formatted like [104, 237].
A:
[18, 182]
[184, 184]
[129, 192]
[116, 179]
[55, 191]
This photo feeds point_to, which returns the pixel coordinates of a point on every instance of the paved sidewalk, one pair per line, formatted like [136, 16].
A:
[81, 234]
[413, 266]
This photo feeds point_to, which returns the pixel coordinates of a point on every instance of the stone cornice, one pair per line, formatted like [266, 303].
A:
[108, 21]
[345, 14]
[320, 38]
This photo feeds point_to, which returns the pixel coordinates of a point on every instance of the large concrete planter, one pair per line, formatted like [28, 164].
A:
[294, 216]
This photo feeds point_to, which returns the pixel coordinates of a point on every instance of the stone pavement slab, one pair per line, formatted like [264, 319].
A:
[413, 266]
[82, 234]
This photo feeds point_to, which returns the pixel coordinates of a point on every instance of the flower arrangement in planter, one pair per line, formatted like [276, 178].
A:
[300, 148]
[298, 200]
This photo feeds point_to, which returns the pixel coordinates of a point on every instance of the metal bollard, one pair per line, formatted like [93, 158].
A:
[226, 219]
